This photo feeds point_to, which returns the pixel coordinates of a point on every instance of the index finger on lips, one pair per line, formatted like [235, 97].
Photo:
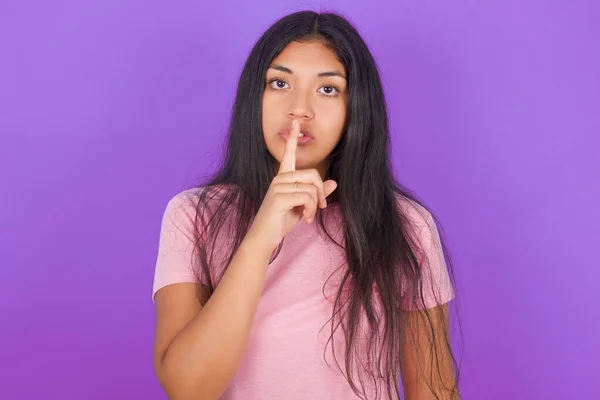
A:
[288, 161]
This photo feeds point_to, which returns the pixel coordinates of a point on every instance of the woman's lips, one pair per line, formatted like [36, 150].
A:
[301, 139]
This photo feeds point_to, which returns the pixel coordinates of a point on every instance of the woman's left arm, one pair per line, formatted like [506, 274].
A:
[427, 369]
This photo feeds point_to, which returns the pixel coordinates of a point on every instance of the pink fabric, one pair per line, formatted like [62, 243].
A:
[284, 358]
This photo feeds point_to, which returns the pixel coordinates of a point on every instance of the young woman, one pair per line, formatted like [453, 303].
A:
[302, 269]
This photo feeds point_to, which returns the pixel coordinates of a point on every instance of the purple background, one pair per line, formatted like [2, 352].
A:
[108, 108]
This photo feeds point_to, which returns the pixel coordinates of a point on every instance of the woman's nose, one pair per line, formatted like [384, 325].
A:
[301, 107]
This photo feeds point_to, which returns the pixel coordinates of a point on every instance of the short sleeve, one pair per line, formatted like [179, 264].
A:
[436, 284]
[176, 244]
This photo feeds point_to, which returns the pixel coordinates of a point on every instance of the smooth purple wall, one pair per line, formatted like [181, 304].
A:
[108, 108]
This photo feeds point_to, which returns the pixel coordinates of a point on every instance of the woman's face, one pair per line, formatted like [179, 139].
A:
[305, 82]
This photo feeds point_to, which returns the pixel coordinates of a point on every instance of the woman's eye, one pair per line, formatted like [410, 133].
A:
[329, 90]
[277, 84]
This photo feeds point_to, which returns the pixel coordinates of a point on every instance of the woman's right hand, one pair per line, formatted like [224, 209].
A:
[282, 208]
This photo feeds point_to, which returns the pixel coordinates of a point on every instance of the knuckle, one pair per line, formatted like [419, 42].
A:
[309, 198]
[318, 180]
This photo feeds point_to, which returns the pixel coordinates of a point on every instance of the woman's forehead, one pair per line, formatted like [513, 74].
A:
[311, 58]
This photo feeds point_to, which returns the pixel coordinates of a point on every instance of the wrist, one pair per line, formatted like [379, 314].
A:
[256, 246]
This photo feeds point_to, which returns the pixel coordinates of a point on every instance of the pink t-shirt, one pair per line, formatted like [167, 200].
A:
[284, 357]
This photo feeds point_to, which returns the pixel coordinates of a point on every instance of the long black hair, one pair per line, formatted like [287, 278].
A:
[380, 252]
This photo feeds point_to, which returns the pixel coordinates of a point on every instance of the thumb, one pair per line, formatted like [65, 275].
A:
[329, 186]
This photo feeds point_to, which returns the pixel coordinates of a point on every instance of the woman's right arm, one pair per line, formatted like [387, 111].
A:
[197, 349]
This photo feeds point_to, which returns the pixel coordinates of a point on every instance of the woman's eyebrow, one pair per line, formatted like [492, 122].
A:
[320, 74]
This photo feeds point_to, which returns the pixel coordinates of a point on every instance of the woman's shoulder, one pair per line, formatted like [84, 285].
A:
[186, 203]
[414, 211]
[208, 194]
